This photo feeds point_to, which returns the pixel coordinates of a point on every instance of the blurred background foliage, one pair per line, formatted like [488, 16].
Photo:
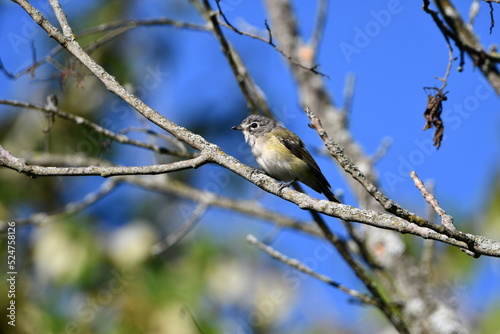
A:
[92, 271]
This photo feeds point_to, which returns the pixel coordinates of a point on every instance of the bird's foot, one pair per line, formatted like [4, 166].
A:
[285, 184]
[256, 170]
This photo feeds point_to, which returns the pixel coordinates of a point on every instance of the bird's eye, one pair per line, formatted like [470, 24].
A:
[254, 125]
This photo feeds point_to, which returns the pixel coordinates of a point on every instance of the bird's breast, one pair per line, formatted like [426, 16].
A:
[275, 159]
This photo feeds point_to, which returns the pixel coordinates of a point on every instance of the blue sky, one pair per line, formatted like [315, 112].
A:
[392, 48]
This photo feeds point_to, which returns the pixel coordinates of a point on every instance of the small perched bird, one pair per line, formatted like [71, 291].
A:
[282, 154]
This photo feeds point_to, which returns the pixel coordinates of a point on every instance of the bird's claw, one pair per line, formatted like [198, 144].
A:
[284, 185]
[256, 170]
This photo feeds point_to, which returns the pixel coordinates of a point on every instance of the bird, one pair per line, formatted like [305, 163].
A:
[282, 154]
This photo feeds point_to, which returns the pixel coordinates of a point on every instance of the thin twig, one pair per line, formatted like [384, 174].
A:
[319, 26]
[473, 11]
[236, 30]
[120, 138]
[269, 41]
[17, 164]
[186, 226]
[444, 79]
[381, 150]
[350, 83]
[446, 220]
[296, 264]
[54, 159]
[121, 26]
[254, 97]
[168, 138]
[429, 245]
[126, 25]
[108, 37]
[269, 35]
[70, 208]
[492, 18]
[62, 18]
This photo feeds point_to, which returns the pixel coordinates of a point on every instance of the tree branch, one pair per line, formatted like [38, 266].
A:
[253, 94]
[187, 226]
[269, 41]
[118, 137]
[319, 27]
[70, 208]
[446, 220]
[17, 164]
[296, 264]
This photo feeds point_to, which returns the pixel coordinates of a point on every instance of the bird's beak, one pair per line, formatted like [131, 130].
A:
[237, 127]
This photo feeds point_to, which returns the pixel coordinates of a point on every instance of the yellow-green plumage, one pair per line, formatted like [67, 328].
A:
[282, 154]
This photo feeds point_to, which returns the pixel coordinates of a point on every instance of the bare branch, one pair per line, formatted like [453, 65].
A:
[381, 150]
[269, 41]
[428, 252]
[17, 164]
[444, 79]
[70, 208]
[483, 246]
[120, 138]
[473, 11]
[492, 18]
[66, 160]
[296, 264]
[126, 25]
[254, 97]
[62, 18]
[446, 220]
[350, 83]
[187, 226]
[168, 138]
[319, 26]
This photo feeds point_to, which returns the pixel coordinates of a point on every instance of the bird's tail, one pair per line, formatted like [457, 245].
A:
[318, 182]
[329, 195]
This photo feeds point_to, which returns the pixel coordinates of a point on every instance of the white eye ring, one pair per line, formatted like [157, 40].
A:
[254, 125]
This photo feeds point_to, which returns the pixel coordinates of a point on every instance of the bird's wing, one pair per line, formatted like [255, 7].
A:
[295, 145]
